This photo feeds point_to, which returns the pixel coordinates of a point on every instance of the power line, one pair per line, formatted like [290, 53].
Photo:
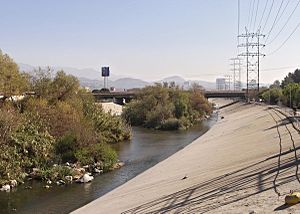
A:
[274, 21]
[285, 40]
[239, 7]
[280, 16]
[249, 13]
[263, 14]
[268, 16]
[285, 24]
[252, 11]
[256, 15]
[283, 11]
[280, 68]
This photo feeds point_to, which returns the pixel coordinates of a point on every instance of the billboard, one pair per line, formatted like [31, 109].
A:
[105, 71]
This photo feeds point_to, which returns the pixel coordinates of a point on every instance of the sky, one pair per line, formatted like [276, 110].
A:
[148, 39]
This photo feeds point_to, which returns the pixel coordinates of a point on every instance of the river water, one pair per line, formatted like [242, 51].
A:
[147, 148]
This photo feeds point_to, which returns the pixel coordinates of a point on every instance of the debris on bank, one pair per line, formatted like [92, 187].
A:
[63, 174]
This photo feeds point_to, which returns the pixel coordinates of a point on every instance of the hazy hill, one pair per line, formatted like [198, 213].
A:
[130, 83]
[88, 73]
[92, 79]
[177, 79]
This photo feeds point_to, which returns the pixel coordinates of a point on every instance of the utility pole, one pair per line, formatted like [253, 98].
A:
[236, 63]
[253, 75]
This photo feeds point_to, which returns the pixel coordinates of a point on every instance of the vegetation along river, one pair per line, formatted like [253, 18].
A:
[147, 148]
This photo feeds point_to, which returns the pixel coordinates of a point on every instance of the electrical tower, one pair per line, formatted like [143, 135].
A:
[237, 83]
[227, 82]
[253, 63]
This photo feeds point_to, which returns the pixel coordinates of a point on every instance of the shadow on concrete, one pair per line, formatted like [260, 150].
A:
[283, 207]
[212, 194]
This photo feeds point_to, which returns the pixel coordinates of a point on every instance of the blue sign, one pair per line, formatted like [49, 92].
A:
[105, 71]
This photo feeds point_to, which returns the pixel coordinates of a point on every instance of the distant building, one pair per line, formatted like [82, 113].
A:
[186, 85]
[221, 84]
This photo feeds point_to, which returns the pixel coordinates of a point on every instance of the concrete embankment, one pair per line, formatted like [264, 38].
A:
[245, 163]
[112, 108]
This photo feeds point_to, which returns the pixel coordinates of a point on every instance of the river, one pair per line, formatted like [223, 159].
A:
[147, 148]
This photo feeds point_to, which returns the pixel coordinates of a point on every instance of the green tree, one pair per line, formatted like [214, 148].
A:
[61, 87]
[276, 84]
[292, 94]
[162, 107]
[12, 82]
[291, 78]
[41, 83]
[272, 95]
[64, 86]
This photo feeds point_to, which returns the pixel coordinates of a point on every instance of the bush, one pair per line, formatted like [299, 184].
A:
[28, 145]
[100, 152]
[108, 128]
[54, 173]
[272, 96]
[83, 156]
[170, 124]
[292, 94]
[167, 108]
[66, 147]
[60, 121]
[33, 143]
[103, 152]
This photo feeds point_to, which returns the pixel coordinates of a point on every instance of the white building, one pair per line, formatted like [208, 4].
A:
[221, 84]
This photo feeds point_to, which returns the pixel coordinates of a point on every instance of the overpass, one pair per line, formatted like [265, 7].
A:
[125, 96]
[225, 94]
[117, 97]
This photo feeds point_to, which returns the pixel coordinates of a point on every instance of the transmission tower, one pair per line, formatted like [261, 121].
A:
[227, 82]
[236, 68]
[252, 50]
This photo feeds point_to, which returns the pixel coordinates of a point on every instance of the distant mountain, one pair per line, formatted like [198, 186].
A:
[88, 73]
[26, 67]
[128, 83]
[188, 83]
[177, 79]
[91, 78]
[123, 83]
[204, 84]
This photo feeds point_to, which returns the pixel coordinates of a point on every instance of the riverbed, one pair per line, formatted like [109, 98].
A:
[147, 148]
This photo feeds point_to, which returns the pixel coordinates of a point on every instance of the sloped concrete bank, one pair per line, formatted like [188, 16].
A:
[236, 167]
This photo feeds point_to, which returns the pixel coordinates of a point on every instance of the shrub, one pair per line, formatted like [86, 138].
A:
[100, 152]
[83, 156]
[66, 147]
[54, 173]
[108, 128]
[33, 142]
[170, 124]
[273, 95]
[103, 152]
[29, 145]
[60, 121]
[157, 107]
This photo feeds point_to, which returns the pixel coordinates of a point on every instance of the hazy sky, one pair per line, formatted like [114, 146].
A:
[147, 39]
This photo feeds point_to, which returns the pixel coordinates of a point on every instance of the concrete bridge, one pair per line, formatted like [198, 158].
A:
[225, 94]
[117, 97]
[125, 96]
